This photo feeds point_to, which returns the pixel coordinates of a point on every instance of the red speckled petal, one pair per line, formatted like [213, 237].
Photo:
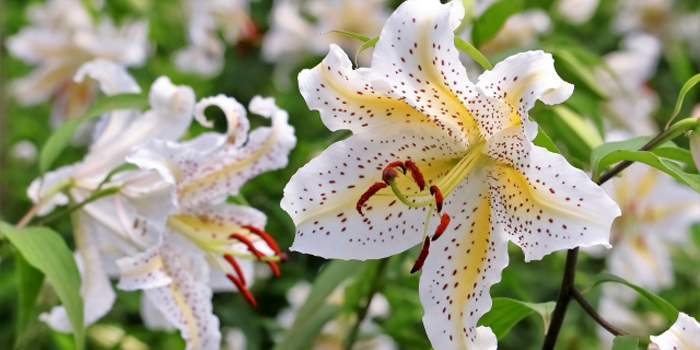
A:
[462, 266]
[346, 99]
[683, 335]
[546, 204]
[415, 60]
[321, 197]
[519, 81]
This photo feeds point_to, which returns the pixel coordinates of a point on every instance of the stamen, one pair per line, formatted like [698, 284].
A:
[435, 191]
[242, 288]
[235, 266]
[397, 164]
[265, 236]
[260, 256]
[389, 174]
[444, 221]
[421, 257]
[368, 194]
[416, 174]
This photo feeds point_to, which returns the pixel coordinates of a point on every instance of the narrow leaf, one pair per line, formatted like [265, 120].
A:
[301, 336]
[668, 310]
[60, 138]
[580, 71]
[681, 96]
[369, 43]
[506, 313]
[45, 250]
[543, 140]
[490, 22]
[472, 51]
[360, 37]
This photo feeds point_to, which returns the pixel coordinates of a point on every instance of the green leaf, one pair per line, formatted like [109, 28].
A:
[613, 152]
[45, 250]
[29, 285]
[490, 22]
[625, 342]
[60, 138]
[332, 275]
[681, 96]
[506, 313]
[360, 37]
[668, 310]
[470, 50]
[543, 140]
[315, 312]
[567, 60]
[579, 135]
[468, 13]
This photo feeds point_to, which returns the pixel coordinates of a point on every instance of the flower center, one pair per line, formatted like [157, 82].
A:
[433, 197]
[223, 244]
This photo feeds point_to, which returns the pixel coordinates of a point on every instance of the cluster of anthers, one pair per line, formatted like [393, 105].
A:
[389, 175]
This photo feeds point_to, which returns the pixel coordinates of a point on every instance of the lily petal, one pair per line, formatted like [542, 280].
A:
[345, 98]
[343, 172]
[415, 60]
[683, 335]
[238, 125]
[546, 205]
[468, 259]
[520, 80]
[186, 303]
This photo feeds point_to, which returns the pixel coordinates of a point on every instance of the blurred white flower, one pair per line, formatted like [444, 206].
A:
[61, 38]
[204, 53]
[207, 244]
[577, 11]
[24, 151]
[683, 335]
[235, 339]
[632, 102]
[109, 227]
[665, 19]
[293, 35]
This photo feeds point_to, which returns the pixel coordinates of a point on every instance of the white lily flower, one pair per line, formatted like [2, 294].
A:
[666, 19]
[472, 172]
[656, 212]
[292, 36]
[683, 335]
[61, 39]
[631, 102]
[519, 30]
[207, 240]
[204, 53]
[115, 224]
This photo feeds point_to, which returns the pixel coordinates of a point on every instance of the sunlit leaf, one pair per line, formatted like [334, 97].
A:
[369, 43]
[569, 62]
[668, 310]
[490, 22]
[543, 140]
[681, 96]
[45, 250]
[613, 152]
[625, 342]
[506, 313]
[360, 37]
[60, 138]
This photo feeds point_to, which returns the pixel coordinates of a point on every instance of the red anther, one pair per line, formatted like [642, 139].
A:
[397, 164]
[435, 191]
[416, 174]
[421, 257]
[444, 221]
[235, 266]
[369, 193]
[249, 244]
[242, 288]
[265, 236]
[256, 252]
